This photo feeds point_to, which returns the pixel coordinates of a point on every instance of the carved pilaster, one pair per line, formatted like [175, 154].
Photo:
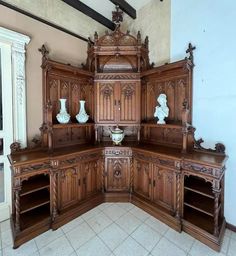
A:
[103, 174]
[131, 175]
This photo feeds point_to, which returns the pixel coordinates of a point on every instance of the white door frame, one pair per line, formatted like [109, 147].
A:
[12, 46]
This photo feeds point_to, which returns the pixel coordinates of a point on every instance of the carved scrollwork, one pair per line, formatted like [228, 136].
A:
[15, 147]
[107, 90]
[219, 147]
[128, 90]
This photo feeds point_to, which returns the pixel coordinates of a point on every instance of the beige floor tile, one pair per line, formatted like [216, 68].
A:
[104, 206]
[157, 225]
[182, 240]
[6, 239]
[130, 248]
[80, 235]
[47, 237]
[233, 235]
[228, 232]
[59, 247]
[128, 222]
[27, 249]
[91, 213]
[225, 245]
[114, 212]
[93, 247]
[166, 248]
[146, 236]
[139, 213]
[5, 225]
[125, 206]
[72, 224]
[113, 236]
[99, 222]
[232, 247]
[199, 248]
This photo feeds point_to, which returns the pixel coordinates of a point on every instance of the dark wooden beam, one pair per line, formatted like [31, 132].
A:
[125, 7]
[91, 13]
[42, 20]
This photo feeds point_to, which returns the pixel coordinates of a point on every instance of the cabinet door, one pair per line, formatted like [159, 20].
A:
[91, 178]
[164, 182]
[129, 102]
[117, 174]
[68, 187]
[106, 107]
[142, 178]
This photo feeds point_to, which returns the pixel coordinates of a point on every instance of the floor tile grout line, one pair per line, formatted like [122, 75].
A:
[69, 241]
[176, 245]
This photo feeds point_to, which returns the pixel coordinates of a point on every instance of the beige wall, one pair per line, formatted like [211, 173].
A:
[63, 47]
[153, 20]
[60, 13]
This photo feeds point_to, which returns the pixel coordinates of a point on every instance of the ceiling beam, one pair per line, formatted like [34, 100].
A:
[78, 5]
[125, 7]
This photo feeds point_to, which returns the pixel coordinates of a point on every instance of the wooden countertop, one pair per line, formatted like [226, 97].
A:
[27, 156]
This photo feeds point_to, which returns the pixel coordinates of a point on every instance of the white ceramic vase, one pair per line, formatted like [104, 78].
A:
[82, 117]
[63, 117]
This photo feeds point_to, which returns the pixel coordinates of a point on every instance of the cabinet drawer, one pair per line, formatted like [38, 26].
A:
[118, 151]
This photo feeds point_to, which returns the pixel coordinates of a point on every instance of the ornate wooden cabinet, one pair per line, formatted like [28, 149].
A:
[160, 168]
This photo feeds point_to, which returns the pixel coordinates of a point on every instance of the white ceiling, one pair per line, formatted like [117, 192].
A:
[105, 7]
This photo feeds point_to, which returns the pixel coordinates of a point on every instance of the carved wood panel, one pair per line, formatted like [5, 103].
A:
[117, 174]
[142, 178]
[106, 102]
[164, 187]
[68, 187]
[91, 180]
[129, 102]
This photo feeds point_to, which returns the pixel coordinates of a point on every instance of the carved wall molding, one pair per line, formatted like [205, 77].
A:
[117, 76]
[18, 42]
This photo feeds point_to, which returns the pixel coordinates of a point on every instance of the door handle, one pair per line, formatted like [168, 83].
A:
[119, 104]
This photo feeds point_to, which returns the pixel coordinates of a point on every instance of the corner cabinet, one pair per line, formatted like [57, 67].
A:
[160, 168]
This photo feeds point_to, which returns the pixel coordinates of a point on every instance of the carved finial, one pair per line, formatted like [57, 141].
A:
[139, 37]
[185, 113]
[146, 42]
[106, 33]
[127, 32]
[90, 42]
[44, 51]
[15, 147]
[95, 36]
[190, 51]
[117, 16]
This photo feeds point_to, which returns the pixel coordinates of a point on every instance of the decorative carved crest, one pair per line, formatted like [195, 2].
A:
[15, 147]
[44, 51]
[117, 16]
[219, 147]
[190, 51]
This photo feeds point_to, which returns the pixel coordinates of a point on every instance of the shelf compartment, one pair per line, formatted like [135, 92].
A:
[199, 219]
[34, 184]
[199, 186]
[34, 200]
[31, 218]
[199, 202]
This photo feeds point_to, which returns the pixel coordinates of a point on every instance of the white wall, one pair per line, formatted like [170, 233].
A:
[210, 25]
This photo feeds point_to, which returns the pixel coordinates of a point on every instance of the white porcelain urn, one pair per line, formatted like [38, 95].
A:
[63, 117]
[82, 117]
[117, 135]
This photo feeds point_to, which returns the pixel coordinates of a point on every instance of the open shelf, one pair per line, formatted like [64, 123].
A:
[34, 184]
[199, 186]
[34, 200]
[199, 202]
[31, 218]
[199, 219]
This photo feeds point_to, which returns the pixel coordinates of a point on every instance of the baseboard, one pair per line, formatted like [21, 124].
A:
[231, 227]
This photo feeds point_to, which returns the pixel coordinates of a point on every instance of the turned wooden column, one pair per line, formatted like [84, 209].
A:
[178, 188]
[16, 190]
[54, 195]
[217, 192]
[131, 175]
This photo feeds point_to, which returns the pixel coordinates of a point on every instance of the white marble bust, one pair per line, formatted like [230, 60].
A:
[162, 111]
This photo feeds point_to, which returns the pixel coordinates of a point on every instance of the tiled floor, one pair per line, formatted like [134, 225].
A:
[119, 229]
